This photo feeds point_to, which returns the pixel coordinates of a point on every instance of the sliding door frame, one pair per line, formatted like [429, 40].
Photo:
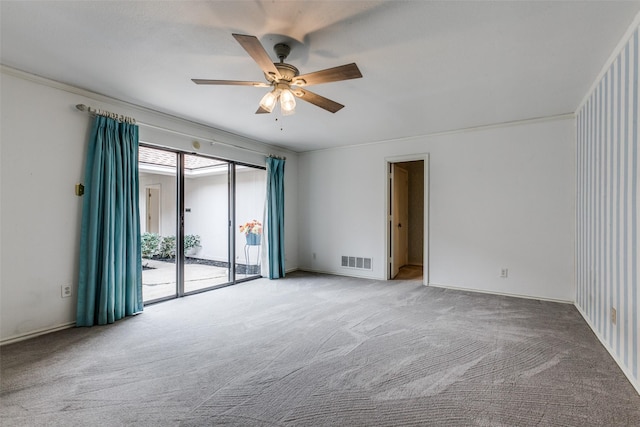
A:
[180, 224]
[232, 223]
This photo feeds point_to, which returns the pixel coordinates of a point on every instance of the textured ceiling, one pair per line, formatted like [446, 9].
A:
[428, 66]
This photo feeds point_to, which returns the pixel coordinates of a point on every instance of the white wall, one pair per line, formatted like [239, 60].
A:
[499, 197]
[207, 198]
[43, 140]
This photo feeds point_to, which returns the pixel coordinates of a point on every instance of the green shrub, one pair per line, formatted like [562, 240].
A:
[168, 247]
[150, 242]
[165, 247]
[191, 241]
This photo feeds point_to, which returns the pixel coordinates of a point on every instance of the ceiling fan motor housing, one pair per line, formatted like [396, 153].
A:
[282, 50]
[287, 73]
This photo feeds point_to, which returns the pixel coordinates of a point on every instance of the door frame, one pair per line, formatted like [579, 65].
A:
[387, 165]
[399, 214]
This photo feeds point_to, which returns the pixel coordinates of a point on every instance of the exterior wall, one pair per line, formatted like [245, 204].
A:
[208, 201]
[207, 198]
[251, 188]
[167, 185]
[608, 195]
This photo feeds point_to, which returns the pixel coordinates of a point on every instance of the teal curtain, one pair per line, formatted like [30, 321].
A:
[110, 273]
[275, 217]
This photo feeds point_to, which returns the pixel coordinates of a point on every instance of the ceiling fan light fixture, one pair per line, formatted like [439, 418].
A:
[287, 102]
[268, 102]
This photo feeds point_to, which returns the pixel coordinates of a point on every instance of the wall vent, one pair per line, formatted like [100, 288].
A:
[360, 263]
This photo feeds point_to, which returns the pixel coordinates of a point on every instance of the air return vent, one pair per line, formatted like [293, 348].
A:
[360, 263]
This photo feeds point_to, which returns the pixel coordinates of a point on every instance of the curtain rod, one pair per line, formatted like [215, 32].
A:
[91, 110]
[105, 113]
[212, 141]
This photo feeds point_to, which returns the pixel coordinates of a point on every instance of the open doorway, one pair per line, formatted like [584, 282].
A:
[406, 220]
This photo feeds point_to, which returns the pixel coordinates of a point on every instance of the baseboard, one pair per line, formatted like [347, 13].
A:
[334, 273]
[37, 333]
[605, 344]
[504, 294]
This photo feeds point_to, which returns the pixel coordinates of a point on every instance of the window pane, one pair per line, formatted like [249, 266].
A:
[157, 176]
[250, 198]
[206, 222]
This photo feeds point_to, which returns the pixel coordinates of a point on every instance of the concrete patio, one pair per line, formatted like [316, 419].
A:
[160, 280]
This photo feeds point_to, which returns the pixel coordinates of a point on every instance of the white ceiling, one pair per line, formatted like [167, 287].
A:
[428, 66]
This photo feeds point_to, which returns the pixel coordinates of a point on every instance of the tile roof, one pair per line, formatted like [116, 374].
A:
[153, 156]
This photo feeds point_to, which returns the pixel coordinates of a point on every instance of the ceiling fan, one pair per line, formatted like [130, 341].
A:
[285, 79]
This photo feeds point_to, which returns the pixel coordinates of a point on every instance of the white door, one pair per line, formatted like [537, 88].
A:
[399, 222]
[153, 210]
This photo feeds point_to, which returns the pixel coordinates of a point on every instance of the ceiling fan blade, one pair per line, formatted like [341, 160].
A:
[261, 110]
[318, 100]
[335, 74]
[255, 49]
[228, 82]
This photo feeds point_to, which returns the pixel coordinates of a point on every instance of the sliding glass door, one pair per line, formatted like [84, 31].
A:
[158, 209]
[206, 223]
[201, 221]
[250, 192]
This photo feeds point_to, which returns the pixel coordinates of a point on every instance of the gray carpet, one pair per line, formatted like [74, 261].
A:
[315, 350]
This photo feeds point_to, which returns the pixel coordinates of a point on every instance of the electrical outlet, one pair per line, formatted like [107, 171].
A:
[504, 272]
[614, 315]
[65, 291]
